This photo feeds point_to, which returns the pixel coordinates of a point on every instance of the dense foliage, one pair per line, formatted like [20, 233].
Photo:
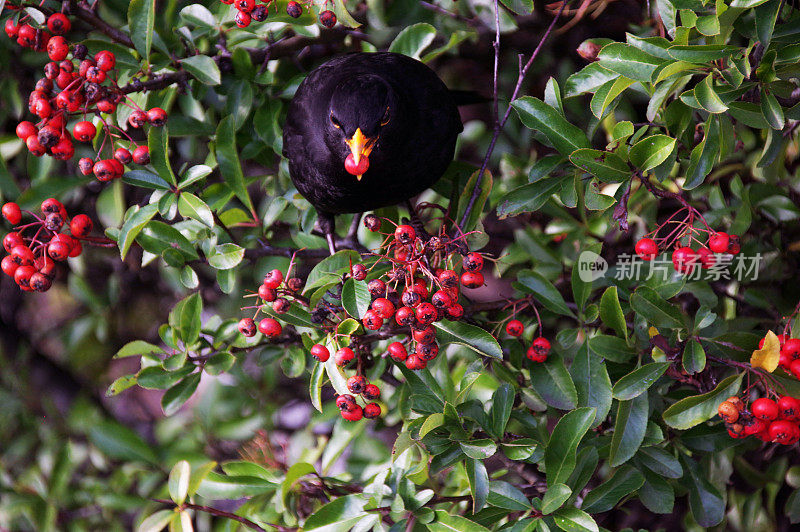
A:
[628, 193]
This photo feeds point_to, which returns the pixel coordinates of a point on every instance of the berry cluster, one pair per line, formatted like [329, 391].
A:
[248, 11]
[280, 297]
[76, 84]
[31, 259]
[684, 258]
[539, 348]
[767, 420]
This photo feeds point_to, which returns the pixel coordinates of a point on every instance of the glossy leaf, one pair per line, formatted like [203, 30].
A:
[559, 456]
[638, 381]
[629, 429]
[537, 115]
[692, 411]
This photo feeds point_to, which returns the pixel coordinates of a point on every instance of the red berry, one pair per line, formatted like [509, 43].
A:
[273, 278]
[372, 320]
[320, 352]
[104, 170]
[371, 392]
[95, 75]
[765, 409]
[794, 367]
[12, 240]
[448, 278]
[12, 213]
[26, 36]
[397, 351]
[646, 248]
[8, 265]
[64, 150]
[383, 307]
[295, 284]
[354, 414]
[281, 305]
[247, 327]
[294, 9]
[718, 242]
[244, 5]
[789, 408]
[343, 356]
[25, 129]
[455, 312]
[358, 271]
[345, 402]
[123, 155]
[515, 328]
[404, 316]
[733, 244]
[327, 18]
[77, 249]
[270, 327]
[242, 19]
[23, 274]
[107, 106]
[405, 234]
[137, 118]
[372, 410]
[105, 60]
[58, 24]
[141, 155]
[782, 431]
[427, 352]
[84, 131]
[473, 262]
[259, 13]
[42, 109]
[791, 349]
[156, 117]
[753, 426]
[426, 313]
[441, 299]
[684, 259]
[267, 294]
[58, 250]
[57, 48]
[372, 223]
[414, 363]
[472, 279]
[12, 29]
[539, 349]
[80, 225]
[706, 257]
[357, 384]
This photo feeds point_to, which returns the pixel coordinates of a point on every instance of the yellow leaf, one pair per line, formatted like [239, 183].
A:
[652, 331]
[767, 357]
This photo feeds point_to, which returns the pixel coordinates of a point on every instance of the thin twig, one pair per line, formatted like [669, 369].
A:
[222, 513]
[476, 190]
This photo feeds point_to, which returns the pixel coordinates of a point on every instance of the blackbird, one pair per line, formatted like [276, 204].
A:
[368, 130]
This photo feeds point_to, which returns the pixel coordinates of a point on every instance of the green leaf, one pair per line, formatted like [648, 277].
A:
[554, 497]
[141, 20]
[144, 179]
[157, 521]
[701, 53]
[535, 114]
[704, 155]
[315, 385]
[592, 384]
[194, 174]
[476, 213]
[651, 151]
[638, 381]
[502, 402]
[478, 483]
[355, 298]
[121, 443]
[343, 15]
[175, 397]
[660, 462]
[611, 312]
[606, 166]
[551, 380]
[453, 523]
[185, 317]
[694, 357]
[606, 94]
[138, 347]
[705, 500]
[772, 110]
[630, 427]
[156, 237]
[413, 40]
[193, 207]
[628, 61]
[504, 495]
[228, 160]
[133, 225]
[216, 486]
[158, 144]
[120, 385]
[478, 449]
[529, 198]
[705, 94]
[179, 482]
[331, 268]
[480, 341]
[603, 498]
[559, 455]
[226, 256]
[594, 200]
[198, 15]
[655, 309]
[692, 411]
[574, 520]
[203, 69]
[611, 348]
[533, 282]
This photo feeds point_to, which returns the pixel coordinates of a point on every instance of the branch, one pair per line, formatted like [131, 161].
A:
[222, 513]
[500, 123]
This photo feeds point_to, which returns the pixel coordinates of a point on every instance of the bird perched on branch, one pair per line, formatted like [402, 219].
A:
[368, 130]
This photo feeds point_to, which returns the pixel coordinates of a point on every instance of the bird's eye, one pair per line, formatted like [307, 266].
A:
[335, 122]
[386, 117]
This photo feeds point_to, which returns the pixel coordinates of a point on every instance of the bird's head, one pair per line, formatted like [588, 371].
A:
[361, 108]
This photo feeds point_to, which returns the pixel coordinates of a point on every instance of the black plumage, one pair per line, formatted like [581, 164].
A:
[389, 107]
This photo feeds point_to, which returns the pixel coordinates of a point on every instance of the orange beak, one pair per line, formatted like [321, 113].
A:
[360, 146]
